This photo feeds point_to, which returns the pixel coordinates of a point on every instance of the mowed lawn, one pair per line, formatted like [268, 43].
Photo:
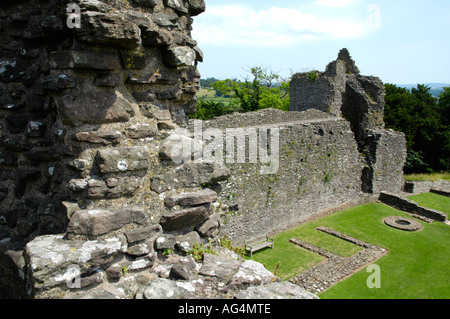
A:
[432, 200]
[417, 265]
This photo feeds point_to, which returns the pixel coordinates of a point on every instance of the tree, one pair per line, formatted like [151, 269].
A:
[444, 105]
[425, 124]
[207, 110]
[208, 82]
[265, 89]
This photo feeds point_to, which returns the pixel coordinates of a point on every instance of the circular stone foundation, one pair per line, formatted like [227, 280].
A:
[403, 223]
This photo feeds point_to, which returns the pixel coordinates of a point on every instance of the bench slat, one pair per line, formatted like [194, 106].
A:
[258, 244]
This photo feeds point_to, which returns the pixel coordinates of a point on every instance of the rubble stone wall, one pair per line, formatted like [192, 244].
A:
[83, 109]
[319, 168]
[342, 91]
[91, 118]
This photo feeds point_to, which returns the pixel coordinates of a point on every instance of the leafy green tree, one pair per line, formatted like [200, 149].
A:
[207, 110]
[206, 83]
[399, 112]
[424, 121]
[265, 89]
[444, 105]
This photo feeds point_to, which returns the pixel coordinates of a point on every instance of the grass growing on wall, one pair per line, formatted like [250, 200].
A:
[427, 177]
[417, 265]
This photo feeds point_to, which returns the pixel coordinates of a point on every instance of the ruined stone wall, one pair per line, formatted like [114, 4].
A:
[342, 91]
[319, 169]
[385, 155]
[417, 187]
[319, 90]
[92, 181]
[82, 109]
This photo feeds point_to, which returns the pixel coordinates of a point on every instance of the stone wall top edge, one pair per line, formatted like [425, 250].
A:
[268, 118]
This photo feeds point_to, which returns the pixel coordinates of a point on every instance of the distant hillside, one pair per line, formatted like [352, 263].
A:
[436, 88]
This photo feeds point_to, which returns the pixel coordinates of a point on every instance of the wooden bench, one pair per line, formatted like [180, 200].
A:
[258, 244]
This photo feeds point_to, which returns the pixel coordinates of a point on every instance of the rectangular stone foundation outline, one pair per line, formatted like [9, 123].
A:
[334, 268]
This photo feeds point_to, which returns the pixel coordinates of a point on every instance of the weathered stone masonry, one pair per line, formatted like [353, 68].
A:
[89, 189]
[343, 92]
[333, 152]
[83, 111]
[317, 152]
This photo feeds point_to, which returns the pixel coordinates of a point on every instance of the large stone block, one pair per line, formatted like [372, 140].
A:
[219, 266]
[95, 222]
[180, 56]
[162, 288]
[94, 107]
[252, 273]
[142, 131]
[196, 7]
[177, 5]
[121, 159]
[180, 148]
[276, 290]
[190, 175]
[99, 137]
[112, 187]
[185, 218]
[54, 261]
[165, 19]
[155, 111]
[156, 38]
[191, 199]
[110, 28]
[210, 226]
[144, 233]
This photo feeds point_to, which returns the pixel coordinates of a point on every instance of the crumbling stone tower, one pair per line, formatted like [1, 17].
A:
[87, 94]
[343, 92]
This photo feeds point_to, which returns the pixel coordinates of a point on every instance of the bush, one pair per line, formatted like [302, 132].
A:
[207, 110]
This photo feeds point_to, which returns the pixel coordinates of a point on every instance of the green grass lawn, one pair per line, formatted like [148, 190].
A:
[428, 177]
[210, 95]
[434, 201]
[417, 265]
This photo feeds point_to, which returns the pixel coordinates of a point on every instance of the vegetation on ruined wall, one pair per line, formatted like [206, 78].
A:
[425, 121]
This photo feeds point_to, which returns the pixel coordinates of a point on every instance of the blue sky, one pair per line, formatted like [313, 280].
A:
[400, 41]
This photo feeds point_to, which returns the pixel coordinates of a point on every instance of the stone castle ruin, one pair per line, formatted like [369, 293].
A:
[92, 202]
[342, 92]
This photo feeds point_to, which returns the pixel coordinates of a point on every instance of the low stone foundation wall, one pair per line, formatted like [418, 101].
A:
[440, 192]
[424, 186]
[334, 268]
[409, 206]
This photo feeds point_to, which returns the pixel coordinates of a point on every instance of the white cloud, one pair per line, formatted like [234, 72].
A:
[241, 25]
[336, 3]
